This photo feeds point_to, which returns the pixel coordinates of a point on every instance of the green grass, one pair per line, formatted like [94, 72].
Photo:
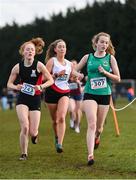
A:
[115, 158]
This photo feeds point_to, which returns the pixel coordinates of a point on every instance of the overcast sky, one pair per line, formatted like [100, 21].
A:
[25, 11]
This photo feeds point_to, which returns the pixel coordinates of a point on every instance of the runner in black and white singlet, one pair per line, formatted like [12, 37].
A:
[30, 88]
[57, 96]
[60, 87]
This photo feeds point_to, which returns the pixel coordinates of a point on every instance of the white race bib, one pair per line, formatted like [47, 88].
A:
[73, 86]
[97, 83]
[62, 78]
[28, 89]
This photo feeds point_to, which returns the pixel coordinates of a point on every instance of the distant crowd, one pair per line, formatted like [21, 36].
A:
[7, 99]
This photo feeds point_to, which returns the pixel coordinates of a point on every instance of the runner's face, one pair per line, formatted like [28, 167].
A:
[102, 44]
[29, 51]
[60, 49]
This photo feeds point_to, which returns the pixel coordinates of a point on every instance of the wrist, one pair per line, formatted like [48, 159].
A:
[55, 75]
[41, 88]
[105, 72]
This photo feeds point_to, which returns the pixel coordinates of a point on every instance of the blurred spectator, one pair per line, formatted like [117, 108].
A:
[114, 94]
[130, 94]
[10, 96]
[4, 100]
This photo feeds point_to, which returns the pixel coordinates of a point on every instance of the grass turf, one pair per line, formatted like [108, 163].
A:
[114, 159]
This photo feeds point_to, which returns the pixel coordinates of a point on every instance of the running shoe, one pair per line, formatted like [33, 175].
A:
[23, 157]
[97, 142]
[34, 139]
[72, 124]
[77, 129]
[90, 160]
[59, 148]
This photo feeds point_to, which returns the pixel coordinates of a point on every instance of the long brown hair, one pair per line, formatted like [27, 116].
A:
[50, 51]
[110, 49]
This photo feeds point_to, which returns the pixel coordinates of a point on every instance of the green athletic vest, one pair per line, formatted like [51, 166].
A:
[97, 83]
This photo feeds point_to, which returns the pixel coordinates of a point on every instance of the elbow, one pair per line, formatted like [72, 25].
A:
[118, 79]
[8, 85]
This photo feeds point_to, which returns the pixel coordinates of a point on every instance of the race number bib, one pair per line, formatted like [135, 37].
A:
[28, 89]
[97, 83]
[73, 86]
[62, 78]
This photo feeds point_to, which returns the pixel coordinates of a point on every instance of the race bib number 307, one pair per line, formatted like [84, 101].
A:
[28, 89]
[97, 83]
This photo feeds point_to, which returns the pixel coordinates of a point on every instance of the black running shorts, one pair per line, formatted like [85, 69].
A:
[100, 99]
[33, 102]
[51, 96]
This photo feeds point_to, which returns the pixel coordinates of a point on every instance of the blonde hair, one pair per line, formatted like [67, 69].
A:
[50, 51]
[110, 49]
[37, 42]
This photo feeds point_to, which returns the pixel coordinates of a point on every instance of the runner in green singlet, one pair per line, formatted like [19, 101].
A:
[101, 69]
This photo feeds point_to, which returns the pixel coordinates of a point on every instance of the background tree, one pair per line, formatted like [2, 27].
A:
[77, 28]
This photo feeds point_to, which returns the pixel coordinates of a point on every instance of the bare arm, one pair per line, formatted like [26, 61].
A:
[82, 62]
[49, 65]
[13, 75]
[47, 76]
[76, 74]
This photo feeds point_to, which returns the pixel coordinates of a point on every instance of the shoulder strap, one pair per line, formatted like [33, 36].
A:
[35, 64]
[87, 62]
[21, 66]
[109, 58]
[88, 57]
